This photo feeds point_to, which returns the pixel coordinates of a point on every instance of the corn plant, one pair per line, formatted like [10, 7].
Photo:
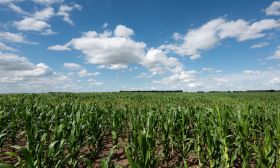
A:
[156, 130]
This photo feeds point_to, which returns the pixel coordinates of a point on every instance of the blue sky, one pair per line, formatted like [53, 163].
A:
[111, 45]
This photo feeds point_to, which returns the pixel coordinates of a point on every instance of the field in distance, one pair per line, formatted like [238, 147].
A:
[140, 130]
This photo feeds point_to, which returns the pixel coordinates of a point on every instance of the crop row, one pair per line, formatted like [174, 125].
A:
[153, 130]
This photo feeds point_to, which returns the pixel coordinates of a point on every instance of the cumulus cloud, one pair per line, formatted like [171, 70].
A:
[158, 62]
[185, 77]
[243, 30]
[18, 74]
[38, 21]
[195, 40]
[210, 34]
[177, 36]
[108, 49]
[244, 80]
[44, 14]
[15, 68]
[273, 9]
[64, 11]
[115, 50]
[123, 31]
[80, 70]
[32, 24]
[247, 80]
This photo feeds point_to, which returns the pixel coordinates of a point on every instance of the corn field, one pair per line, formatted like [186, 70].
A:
[140, 130]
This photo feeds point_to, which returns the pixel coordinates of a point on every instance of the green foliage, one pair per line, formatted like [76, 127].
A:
[70, 130]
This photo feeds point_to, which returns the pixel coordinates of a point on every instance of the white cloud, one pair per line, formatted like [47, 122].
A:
[38, 21]
[158, 62]
[72, 66]
[18, 74]
[207, 69]
[12, 37]
[123, 31]
[17, 9]
[47, 2]
[44, 14]
[12, 5]
[55, 82]
[113, 66]
[39, 70]
[244, 80]
[32, 24]
[199, 39]
[82, 72]
[8, 1]
[59, 48]
[4, 47]
[185, 77]
[144, 75]
[250, 72]
[210, 34]
[106, 49]
[64, 11]
[273, 9]
[260, 45]
[85, 73]
[94, 82]
[220, 81]
[275, 80]
[15, 68]
[48, 32]
[247, 80]
[276, 54]
[177, 36]
[116, 51]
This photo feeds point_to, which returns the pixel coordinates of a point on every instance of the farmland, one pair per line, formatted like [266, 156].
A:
[141, 130]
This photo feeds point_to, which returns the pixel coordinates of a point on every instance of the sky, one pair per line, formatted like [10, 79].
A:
[112, 45]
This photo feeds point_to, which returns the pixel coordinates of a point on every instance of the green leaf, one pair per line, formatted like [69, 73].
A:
[2, 135]
[132, 164]
[8, 154]
[4, 165]
[64, 161]
[27, 155]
